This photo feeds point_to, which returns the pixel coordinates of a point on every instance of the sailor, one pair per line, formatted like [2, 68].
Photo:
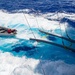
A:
[9, 31]
[12, 31]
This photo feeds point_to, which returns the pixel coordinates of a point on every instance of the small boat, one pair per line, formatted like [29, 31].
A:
[7, 31]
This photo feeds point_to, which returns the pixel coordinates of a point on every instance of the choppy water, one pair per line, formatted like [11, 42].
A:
[19, 55]
[37, 5]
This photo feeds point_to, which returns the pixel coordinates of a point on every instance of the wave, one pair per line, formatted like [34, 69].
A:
[44, 6]
[11, 65]
[28, 62]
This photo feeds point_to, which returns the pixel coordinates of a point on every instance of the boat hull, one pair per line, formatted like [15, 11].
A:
[6, 34]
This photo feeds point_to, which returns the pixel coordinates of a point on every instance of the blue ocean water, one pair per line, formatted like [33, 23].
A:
[42, 51]
[44, 6]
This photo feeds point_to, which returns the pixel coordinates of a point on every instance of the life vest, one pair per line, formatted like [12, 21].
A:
[9, 31]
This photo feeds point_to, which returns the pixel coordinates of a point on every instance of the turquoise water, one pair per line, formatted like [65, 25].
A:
[40, 15]
[26, 48]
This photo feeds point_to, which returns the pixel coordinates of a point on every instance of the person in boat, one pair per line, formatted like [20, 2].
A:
[3, 30]
[12, 31]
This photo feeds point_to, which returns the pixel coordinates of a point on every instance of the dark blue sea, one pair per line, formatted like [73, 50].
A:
[21, 56]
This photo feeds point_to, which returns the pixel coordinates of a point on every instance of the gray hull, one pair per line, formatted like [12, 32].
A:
[3, 32]
[6, 34]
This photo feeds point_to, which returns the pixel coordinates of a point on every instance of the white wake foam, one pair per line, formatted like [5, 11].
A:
[11, 65]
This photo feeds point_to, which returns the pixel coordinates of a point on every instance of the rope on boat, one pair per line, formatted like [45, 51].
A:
[61, 31]
[65, 27]
[62, 35]
[29, 24]
[27, 21]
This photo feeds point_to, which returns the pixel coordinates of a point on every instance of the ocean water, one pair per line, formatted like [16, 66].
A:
[21, 56]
